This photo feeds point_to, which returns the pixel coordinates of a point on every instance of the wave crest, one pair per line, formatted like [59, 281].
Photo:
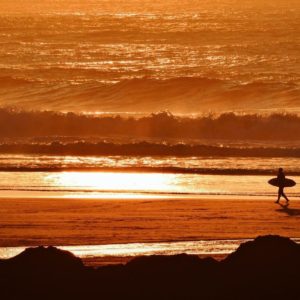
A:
[163, 125]
[179, 95]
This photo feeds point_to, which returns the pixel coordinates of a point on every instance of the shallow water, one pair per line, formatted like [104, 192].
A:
[205, 247]
[135, 176]
[119, 185]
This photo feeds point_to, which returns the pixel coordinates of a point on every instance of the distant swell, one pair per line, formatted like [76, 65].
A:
[179, 95]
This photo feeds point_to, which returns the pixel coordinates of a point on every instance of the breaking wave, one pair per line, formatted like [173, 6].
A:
[162, 126]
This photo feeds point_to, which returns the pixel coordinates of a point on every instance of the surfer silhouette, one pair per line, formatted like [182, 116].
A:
[281, 184]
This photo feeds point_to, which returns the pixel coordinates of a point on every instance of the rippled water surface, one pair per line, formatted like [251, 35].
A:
[103, 57]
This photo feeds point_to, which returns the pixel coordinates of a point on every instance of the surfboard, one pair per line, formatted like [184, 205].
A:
[287, 182]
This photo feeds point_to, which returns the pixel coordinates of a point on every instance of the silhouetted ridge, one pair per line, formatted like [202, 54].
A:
[46, 259]
[266, 252]
[169, 264]
[266, 268]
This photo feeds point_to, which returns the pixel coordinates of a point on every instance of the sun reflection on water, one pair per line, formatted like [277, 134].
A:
[126, 185]
[134, 185]
[115, 182]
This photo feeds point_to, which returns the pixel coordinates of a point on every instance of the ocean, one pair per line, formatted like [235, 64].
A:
[137, 100]
[188, 57]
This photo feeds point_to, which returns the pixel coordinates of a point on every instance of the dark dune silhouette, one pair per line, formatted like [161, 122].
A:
[266, 268]
[44, 258]
[266, 251]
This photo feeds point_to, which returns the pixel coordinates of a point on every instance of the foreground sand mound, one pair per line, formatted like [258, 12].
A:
[48, 259]
[265, 251]
[266, 268]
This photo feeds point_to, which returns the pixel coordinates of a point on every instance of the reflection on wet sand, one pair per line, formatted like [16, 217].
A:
[205, 247]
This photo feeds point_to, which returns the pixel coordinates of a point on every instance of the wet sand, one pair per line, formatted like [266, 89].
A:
[29, 222]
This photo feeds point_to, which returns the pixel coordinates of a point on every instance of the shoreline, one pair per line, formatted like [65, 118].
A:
[110, 185]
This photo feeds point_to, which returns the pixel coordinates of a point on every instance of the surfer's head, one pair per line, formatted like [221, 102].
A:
[280, 170]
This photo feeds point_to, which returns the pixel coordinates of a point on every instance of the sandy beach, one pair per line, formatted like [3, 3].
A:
[29, 222]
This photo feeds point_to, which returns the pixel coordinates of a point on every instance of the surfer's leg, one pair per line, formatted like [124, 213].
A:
[279, 195]
[278, 198]
[284, 196]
